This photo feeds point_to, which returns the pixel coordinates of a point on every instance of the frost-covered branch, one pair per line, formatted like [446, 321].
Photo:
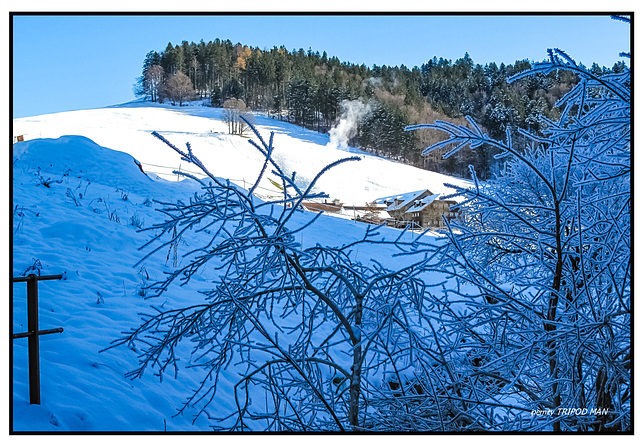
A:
[542, 256]
[308, 335]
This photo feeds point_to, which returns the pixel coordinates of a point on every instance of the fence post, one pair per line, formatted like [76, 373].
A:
[34, 339]
[33, 332]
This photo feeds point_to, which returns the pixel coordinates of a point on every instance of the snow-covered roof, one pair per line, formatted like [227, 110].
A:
[398, 201]
[423, 203]
[405, 196]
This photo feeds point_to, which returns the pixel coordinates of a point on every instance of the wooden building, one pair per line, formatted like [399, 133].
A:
[420, 209]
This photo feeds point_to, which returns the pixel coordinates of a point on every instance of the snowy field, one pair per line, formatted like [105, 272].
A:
[79, 200]
[128, 128]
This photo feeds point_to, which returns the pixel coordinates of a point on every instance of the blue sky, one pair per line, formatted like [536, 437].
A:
[63, 63]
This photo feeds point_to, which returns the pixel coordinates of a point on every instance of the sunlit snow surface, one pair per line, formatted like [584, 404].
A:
[128, 129]
[78, 201]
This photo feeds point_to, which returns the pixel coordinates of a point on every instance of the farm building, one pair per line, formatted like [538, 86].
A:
[370, 213]
[422, 209]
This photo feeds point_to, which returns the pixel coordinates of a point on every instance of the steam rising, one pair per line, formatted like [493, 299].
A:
[352, 112]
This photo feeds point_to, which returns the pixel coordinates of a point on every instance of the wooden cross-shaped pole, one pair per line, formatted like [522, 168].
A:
[34, 332]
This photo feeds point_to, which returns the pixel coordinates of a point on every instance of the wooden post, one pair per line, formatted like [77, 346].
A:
[34, 340]
[33, 333]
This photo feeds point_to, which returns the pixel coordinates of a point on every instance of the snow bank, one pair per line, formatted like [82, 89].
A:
[77, 210]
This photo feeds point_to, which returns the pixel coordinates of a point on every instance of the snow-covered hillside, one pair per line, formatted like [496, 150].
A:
[93, 243]
[128, 128]
[79, 200]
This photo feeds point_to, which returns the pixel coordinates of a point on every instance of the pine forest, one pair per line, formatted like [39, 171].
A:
[315, 91]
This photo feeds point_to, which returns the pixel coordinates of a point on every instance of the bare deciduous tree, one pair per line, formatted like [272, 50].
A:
[177, 88]
[315, 339]
[547, 245]
[233, 113]
[152, 81]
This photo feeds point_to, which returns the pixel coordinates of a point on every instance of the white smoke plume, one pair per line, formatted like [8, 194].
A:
[352, 112]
